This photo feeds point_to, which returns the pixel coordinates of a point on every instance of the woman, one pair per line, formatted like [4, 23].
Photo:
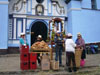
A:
[23, 40]
[81, 44]
[70, 52]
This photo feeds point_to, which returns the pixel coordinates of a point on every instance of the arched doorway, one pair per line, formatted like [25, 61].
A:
[39, 28]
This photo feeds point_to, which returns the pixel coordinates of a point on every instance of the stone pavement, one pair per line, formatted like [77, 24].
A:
[10, 63]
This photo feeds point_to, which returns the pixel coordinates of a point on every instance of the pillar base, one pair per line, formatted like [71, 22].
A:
[10, 50]
[3, 51]
[13, 50]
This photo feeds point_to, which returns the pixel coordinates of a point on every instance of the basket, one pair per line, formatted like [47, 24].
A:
[78, 53]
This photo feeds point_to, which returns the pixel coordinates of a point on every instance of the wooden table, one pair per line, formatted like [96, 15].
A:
[40, 51]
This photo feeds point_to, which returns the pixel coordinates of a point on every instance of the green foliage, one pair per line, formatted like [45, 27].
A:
[52, 36]
[64, 34]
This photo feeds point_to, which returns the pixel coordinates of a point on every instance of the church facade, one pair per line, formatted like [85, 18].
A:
[28, 16]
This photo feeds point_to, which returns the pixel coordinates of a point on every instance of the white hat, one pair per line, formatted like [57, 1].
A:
[39, 36]
[22, 34]
[58, 31]
[78, 34]
[69, 34]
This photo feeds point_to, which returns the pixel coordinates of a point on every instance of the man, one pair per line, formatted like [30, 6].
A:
[59, 47]
[39, 39]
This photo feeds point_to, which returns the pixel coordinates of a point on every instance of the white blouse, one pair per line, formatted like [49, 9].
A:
[70, 45]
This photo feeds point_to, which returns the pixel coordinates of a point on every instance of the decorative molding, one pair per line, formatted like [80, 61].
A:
[36, 17]
[44, 17]
[49, 8]
[18, 6]
[4, 2]
[13, 41]
[19, 27]
[39, 9]
[59, 8]
[10, 29]
[19, 16]
[29, 6]
[77, 9]
[14, 34]
[24, 25]
[91, 9]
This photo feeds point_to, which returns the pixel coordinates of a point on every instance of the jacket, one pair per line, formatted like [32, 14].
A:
[70, 45]
[58, 40]
[80, 42]
[23, 41]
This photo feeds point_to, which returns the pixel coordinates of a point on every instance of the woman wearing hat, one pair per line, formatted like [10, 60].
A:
[70, 52]
[23, 40]
[81, 44]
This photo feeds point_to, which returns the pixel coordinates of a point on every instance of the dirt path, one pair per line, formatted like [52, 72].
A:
[11, 64]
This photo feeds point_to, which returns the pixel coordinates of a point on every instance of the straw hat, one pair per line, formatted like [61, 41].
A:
[79, 34]
[58, 31]
[69, 35]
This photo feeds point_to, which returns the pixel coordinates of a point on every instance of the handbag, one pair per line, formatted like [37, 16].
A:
[82, 62]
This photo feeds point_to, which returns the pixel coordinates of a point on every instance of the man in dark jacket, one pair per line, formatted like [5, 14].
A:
[59, 47]
[39, 39]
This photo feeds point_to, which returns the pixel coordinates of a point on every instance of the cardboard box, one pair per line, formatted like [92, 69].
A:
[54, 65]
[45, 64]
[45, 57]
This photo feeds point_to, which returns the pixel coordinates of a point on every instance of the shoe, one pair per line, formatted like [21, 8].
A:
[69, 70]
[61, 65]
[74, 69]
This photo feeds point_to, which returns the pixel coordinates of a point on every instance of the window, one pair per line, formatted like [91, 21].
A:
[94, 5]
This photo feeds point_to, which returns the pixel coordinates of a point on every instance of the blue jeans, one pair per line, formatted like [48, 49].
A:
[59, 54]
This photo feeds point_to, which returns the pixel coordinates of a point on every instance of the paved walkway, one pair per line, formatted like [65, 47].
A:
[11, 63]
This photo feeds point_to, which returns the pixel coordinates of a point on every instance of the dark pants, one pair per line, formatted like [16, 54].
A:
[70, 56]
[96, 49]
[59, 54]
[38, 58]
[83, 56]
